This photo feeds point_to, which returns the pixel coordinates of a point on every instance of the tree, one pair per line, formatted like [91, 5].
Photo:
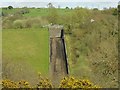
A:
[67, 8]
[50, 5]
[10, 7]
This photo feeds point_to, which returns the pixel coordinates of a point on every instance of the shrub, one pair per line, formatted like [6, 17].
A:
[71, 82]
[115, 12]
[18, 24]
[66, 82]
[95, 8]
[11, 84]
[28, 23]
[53, 15]
[25, 23]
[7, 24]
[44, 83]
[80, 16]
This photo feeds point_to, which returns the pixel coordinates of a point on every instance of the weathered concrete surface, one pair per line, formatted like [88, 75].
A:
[55, 31]
[58, 59]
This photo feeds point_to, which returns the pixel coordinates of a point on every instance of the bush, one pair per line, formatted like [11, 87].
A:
[115, 12]
[24, 22]
[71, 82]
[7, 24]
[66, 82]
[37, 22]
[95, 9]
[18, 24]
[28, 23]
[53, 16]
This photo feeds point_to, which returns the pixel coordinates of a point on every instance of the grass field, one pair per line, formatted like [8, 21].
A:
[27, 45]
[37, 12]
[45, 12]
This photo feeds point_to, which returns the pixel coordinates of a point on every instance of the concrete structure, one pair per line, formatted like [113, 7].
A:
[55, 31]
[58, 58]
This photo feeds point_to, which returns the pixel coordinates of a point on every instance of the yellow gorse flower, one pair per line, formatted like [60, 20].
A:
[66, 82]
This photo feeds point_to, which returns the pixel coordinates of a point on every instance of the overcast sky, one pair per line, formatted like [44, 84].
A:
[62, 3]
[59, 1]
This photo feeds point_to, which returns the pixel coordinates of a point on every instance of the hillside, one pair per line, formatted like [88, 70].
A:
[91, 37]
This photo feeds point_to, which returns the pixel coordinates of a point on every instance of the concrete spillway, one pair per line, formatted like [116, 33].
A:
[58, 58]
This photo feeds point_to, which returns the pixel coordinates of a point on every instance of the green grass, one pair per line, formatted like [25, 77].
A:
[36, 12]
[28, 45]
[45, 12]
[11, 11]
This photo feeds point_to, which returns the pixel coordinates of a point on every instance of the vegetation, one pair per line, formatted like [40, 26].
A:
[91, 37]
[25, 49]
[71, 82]
[89, 48]
[10, 7]
[67, 82]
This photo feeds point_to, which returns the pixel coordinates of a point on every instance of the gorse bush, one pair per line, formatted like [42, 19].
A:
[66, 82]
[71, 82]
[12, 84]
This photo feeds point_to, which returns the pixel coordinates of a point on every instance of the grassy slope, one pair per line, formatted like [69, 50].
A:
[86, 55]
[27, 45]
